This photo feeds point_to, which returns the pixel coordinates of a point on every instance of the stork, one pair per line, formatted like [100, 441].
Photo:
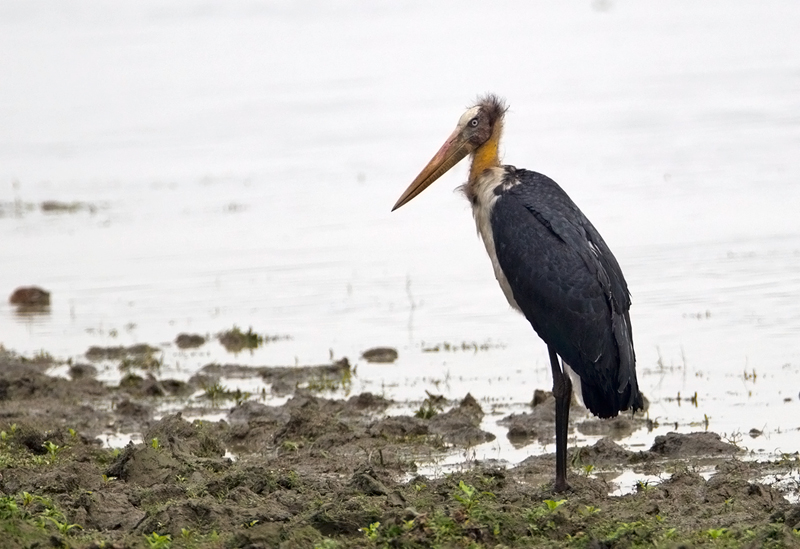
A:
[553, 267]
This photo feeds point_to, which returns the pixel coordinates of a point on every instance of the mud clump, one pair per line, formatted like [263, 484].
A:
[284, 380]
[235, 340]
[149, 386]
[605, 452]
[380, 355]
[461, 425]
[82, 371]
[56, 206]
[675, 445]
[324, 472]
[116, 353]
[189, 341]
[30, 301]
[30, 296]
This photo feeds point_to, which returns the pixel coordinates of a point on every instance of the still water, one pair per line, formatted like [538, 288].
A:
[238, 161]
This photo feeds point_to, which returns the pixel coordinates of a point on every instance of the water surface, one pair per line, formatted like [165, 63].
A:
[241, 159]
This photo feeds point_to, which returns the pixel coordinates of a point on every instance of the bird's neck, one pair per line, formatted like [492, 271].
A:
[487, 155]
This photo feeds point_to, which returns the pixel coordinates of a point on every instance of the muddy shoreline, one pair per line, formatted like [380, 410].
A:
[320, 472]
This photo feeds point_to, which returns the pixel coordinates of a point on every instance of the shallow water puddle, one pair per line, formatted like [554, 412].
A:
[787, 483]
[120, 440]
[628, 481]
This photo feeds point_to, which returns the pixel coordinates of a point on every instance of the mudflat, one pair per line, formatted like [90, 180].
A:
[319, 472]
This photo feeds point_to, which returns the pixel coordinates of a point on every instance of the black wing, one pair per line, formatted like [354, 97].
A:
[568, 285]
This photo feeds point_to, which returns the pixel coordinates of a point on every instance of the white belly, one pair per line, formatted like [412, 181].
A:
[482, 212]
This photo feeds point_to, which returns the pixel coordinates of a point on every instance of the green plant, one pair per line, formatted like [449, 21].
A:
[236, 340]
[468, 496]
[157, 541]
[290, 446]
[432, 405]
[52, 449]
[240, 397]
[670, 534]
[443, 528]
[715, 533]
[625, 529]
[553, 505]
[5, 435]
[8, 507]
[323, 382]
[216, 392]
[27, 499]
[42, 356]
[64, 527]
[371, 531]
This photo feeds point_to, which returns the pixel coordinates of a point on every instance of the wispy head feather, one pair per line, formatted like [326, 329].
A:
[494, 107]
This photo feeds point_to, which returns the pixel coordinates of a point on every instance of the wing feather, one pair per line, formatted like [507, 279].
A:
[569, 286]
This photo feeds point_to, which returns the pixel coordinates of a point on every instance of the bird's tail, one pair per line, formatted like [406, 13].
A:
[601, 397]
[607, 402]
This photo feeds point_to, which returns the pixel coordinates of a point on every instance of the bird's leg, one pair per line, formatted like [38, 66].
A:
[562, 391]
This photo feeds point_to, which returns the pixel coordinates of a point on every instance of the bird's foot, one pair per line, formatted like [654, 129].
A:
[561, 485]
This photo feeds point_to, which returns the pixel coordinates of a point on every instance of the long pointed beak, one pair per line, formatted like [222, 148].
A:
[453, 150]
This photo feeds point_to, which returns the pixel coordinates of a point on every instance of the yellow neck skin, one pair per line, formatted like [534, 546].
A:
[487, 155]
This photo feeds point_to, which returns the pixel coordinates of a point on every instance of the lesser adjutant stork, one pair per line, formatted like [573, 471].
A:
[552, 265]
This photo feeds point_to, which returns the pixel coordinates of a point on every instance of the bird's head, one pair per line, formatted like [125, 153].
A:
[477, 133]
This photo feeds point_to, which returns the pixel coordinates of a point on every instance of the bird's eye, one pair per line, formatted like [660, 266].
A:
[474, 122]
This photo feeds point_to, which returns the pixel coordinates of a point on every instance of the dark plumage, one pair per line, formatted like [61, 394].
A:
[568, 285]
[552, 265]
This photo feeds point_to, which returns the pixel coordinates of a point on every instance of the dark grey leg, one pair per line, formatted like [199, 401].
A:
[562, 391]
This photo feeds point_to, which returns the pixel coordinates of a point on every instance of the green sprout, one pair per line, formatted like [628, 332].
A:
[371, 531]
[157, 541]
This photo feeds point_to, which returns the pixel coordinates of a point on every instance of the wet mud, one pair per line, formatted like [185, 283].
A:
[325, 473]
